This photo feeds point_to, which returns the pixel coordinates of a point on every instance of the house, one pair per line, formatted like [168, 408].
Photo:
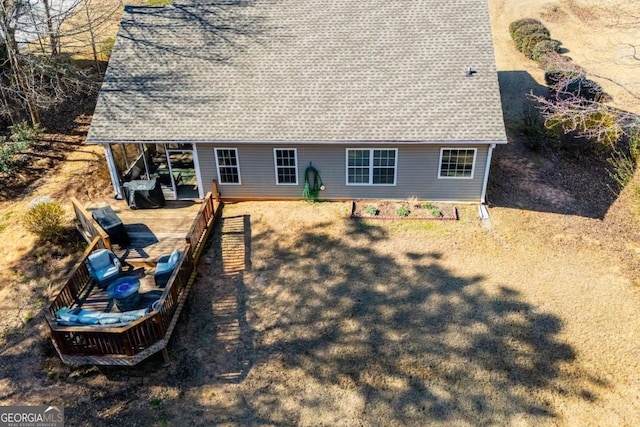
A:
[386, 99]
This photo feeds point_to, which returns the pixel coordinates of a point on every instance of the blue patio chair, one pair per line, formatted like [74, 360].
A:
[166, 265]
[104, 266]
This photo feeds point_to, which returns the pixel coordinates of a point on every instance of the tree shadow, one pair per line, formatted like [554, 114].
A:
[542, 170]
[290, 325]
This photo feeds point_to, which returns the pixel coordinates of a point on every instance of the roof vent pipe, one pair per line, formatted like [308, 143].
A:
[470, 72]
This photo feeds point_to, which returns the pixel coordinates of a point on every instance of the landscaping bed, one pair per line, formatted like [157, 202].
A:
[401, 210]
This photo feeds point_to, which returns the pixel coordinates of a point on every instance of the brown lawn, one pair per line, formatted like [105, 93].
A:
[301, 315]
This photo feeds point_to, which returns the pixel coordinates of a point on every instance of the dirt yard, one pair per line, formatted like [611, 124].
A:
[303, 316]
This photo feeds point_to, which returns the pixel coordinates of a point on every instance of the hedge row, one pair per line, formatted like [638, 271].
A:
[528, 33]
[533, 39]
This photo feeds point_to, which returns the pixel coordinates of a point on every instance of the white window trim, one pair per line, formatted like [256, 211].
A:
[215, 153]
[370, 183]
[275, 165]
[473, 165]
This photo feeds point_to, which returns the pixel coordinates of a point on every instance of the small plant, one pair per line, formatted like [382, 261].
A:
[531, 128]
[402, 211]
[435, 212]
[45, 220]
[9, 151]
[155, 403]
[371, 210]
[621, 170]
[24, 132]
[429, 205]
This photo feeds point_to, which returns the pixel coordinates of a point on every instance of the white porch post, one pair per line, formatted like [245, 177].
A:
[487, 167]
[196, 165]
[113, 171]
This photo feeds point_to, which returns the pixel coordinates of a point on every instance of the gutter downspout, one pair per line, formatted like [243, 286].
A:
[113, 171]
[487, 167]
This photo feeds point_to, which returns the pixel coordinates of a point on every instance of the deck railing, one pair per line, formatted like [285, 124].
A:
[87, 225]
[129, 340]
[202, 223]
[130, 344]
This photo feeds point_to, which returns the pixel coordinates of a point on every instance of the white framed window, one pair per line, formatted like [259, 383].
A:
[372, 166]
[457, 163]
[285, 161]
[228, 166]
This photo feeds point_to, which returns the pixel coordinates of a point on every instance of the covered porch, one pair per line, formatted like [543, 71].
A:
[173, 165]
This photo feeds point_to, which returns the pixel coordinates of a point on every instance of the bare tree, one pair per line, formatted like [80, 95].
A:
[40, 37]
[578, 104]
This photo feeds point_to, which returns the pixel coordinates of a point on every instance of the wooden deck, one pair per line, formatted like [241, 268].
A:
[153, 232]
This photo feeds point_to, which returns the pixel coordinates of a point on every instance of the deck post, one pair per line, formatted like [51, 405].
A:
[216, 194]
[165, 356]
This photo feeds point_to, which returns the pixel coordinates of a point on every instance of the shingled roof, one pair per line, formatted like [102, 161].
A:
[304, 71]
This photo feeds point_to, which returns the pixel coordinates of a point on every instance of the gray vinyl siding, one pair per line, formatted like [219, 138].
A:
[417, 174]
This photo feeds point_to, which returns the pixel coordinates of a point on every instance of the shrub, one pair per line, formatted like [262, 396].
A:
[435, 212]
[524, 33]
[8, 154]
[45, 220]
[371, 210]
[573, 81]
[530, 41]
[634, 145]
[402, 211]
[544, 49]
[24, 132]
[621, 169]
[531, 128]
[515, 25]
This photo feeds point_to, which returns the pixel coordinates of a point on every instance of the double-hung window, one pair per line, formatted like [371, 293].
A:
[286, 164]
[457, 162]
[372, 166]
[228, 165]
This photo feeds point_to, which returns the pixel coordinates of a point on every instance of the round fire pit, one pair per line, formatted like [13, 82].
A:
[125, 293]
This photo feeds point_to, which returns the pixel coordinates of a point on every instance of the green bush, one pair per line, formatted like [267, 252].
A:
[531, 41]
[371, 210]
[8, 154]
[522, 22]
[402, 211]
[621, 169]
[45, 220]
[24, 132]
[523, 34]
[435, 212]
[544, 49]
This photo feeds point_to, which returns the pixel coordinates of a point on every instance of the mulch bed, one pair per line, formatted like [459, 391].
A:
[403, 210]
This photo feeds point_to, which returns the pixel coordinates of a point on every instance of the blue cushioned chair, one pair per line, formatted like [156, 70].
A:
[166, 265]
[104, 266]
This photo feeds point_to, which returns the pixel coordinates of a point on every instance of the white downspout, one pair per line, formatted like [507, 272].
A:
[113, 170]
[485, 180]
